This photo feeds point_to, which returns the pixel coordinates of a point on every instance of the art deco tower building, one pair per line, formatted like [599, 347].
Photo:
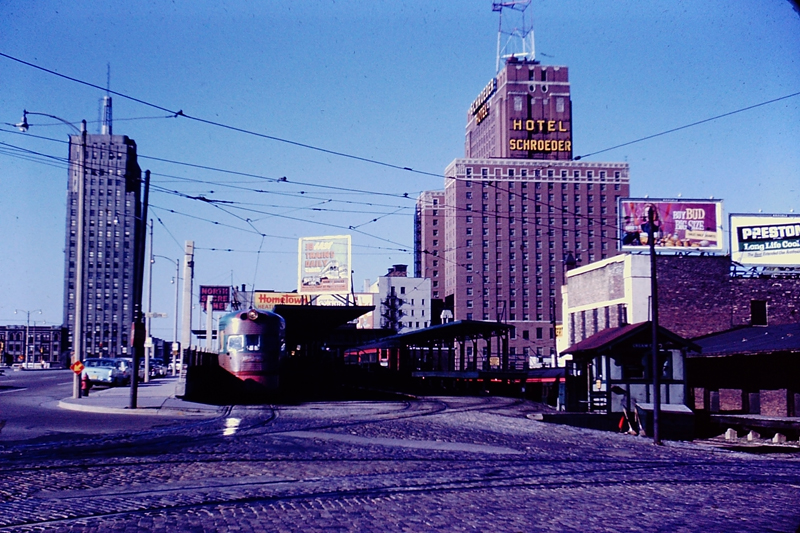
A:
[112, 178]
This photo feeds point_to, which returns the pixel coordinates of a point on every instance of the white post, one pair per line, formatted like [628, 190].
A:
[188, 276]
[209, 323]
[77, 330]
[175, 323]
[148, 350]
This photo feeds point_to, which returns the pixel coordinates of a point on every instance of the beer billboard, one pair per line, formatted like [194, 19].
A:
[679, 224]
[324, 265]
[765, 240]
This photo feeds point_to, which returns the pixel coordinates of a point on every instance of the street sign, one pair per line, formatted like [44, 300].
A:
[156, 315]
[77, 367]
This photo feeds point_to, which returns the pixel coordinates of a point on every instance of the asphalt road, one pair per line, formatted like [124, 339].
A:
[28, 408]
[435, 464]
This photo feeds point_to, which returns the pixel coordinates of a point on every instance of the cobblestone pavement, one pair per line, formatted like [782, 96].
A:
[437, 464]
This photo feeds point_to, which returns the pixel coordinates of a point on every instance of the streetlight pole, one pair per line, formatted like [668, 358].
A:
[77, 334]
[27, 332]
[175, 323]
[149, 316]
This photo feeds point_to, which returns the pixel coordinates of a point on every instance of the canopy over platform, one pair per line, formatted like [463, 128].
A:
[316, 322]
[632, 336]
[460, 330]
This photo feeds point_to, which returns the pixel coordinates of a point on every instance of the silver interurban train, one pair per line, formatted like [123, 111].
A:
[252, 346]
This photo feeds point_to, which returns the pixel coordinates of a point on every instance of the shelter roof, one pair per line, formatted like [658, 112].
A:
[751, 340]
[460, 329]
[317, 321]
[610, 338]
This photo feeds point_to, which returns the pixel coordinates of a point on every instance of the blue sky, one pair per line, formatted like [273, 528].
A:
[389, 81]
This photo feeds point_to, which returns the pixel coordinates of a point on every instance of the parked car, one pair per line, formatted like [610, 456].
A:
[104, 371]
[124, 367]
[157, 369]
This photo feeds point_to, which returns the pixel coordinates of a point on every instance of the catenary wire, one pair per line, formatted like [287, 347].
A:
[180, 113]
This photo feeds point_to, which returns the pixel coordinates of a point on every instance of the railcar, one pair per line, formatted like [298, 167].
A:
[252, 346]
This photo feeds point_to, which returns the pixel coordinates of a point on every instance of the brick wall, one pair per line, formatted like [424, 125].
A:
[774, 402]
[602, 284]
[697, 296]
[730, 400]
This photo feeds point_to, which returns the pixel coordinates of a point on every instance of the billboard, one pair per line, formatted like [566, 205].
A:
[268, 300]
[765, 240]
[680, 224]
[221, 294]
[324, 265]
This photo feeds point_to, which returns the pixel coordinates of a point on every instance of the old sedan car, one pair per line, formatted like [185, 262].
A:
[103, 371]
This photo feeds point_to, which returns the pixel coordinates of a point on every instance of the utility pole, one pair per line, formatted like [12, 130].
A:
[651, 241]
[27, 344]
[138, 330]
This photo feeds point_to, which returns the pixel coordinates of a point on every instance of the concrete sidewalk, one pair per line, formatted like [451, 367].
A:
[154, 398]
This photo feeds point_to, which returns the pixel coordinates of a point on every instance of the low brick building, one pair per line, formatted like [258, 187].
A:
[697, 296]
[45, 346]
[747, 327]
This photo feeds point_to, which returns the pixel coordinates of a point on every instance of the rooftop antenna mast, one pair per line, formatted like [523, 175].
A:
[515, 33]
[106, 127]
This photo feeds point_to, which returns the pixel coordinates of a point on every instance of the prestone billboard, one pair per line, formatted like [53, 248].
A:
[765, 240]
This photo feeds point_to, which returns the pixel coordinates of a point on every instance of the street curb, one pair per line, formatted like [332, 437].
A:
[145, 411]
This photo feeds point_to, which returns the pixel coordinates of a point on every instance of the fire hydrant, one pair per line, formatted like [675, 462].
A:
[85, 385]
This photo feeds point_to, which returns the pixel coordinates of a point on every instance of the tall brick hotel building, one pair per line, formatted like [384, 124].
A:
[517, 210]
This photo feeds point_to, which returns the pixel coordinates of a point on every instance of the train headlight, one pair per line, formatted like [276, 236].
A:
[252, 314]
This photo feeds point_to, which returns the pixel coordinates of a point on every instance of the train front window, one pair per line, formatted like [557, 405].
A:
[253, 343]
[235, 342]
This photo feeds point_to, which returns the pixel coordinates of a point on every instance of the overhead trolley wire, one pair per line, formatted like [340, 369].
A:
[283, 179]
[181, 113]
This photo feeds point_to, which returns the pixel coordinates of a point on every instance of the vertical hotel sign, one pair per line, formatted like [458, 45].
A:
[324, 265]
[479, 109]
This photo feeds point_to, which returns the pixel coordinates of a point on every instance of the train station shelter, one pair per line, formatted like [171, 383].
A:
[611, 371]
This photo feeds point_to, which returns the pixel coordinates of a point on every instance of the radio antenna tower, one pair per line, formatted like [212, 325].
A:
[106, 122]
[515, 32]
